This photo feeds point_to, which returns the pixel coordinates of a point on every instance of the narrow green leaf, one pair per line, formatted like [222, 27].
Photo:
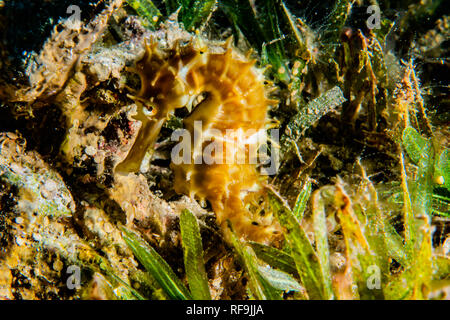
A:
[361, 257]
[321, 237]
[260, 287]
[376, 234]
[337, 18]
[416, 146]
[441, 266]
[193, 256]
[418, 221]
[267, 16]
[195, 13]
[302, 200]
[441, 205]
[241, 14]
[92, 261]
[124, 290]
[299, 37]
[279, 279]
[261, 28]
[394, 244]
[408, 213]
[443, 169]
[156, 266]
[147, 10]
[306, 259]
[274, 257]
[397, 289]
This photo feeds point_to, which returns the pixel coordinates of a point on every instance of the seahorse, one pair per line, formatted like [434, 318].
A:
[233, 116]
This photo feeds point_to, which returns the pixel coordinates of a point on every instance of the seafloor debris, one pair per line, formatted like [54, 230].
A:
[49, 71]
[39, 241]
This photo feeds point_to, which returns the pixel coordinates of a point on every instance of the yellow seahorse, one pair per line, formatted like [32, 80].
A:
[232, 117]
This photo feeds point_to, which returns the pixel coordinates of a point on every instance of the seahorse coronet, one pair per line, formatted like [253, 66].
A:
[233, 115]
